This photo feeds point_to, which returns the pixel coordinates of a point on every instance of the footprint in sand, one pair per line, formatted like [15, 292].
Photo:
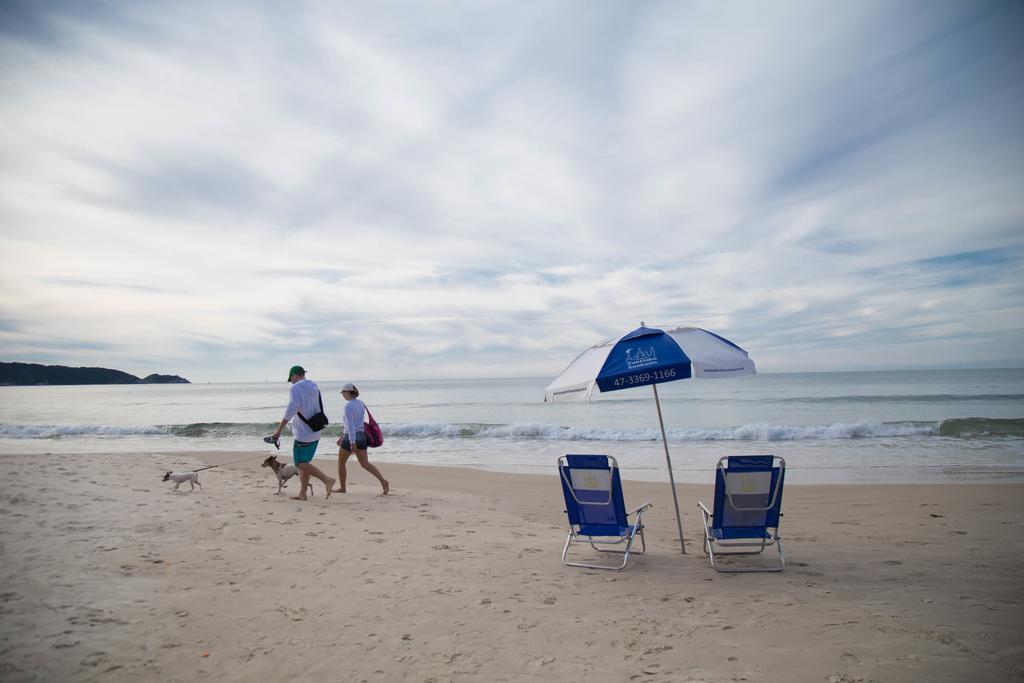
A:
[94, 659]
[64, 645]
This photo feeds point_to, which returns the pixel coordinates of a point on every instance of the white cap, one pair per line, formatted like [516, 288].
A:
[349, 387]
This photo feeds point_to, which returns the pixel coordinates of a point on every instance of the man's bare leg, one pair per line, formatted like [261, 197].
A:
[308, 469]
[303, 483]
[343, 457]
[364, 460]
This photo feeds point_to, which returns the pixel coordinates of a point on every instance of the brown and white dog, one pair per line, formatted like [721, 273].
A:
[283, 472]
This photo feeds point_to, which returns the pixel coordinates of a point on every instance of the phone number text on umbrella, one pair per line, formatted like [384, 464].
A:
[644, 378]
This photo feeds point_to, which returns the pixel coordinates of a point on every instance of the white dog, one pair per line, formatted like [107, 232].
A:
[283, 472]
[180, 478]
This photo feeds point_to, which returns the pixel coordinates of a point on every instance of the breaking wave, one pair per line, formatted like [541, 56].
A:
[11, 431]
[968, 427]
[963, 428]
[196, 429]
[901, 398]
[753, 432]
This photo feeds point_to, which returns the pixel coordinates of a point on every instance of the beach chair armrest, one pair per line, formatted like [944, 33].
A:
[640, 510]
[704, 509]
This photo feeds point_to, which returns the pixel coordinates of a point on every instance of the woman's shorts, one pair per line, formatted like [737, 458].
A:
[360, 442]
[303, 451]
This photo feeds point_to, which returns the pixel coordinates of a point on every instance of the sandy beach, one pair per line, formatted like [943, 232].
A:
[109, 575]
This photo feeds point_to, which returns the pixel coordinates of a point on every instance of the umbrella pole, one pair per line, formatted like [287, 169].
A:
[668, 460]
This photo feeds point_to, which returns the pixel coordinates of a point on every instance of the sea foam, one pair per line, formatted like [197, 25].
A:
[963, 428]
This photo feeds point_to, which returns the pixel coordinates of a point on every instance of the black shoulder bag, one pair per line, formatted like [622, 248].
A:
[318, 421]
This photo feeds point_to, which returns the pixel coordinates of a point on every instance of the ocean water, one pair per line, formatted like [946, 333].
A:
[904, 426]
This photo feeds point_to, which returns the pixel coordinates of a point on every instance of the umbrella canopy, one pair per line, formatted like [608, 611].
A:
[650, 356]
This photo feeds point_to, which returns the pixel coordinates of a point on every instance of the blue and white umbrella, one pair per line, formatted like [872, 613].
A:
[649, 356]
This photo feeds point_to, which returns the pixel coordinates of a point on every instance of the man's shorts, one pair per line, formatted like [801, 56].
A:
[360, 442]
[303, 451]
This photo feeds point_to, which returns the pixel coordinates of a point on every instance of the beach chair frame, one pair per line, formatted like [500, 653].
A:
[613, 499]
[769, 531]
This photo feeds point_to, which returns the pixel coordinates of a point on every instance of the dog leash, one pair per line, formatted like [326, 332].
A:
[210, 467]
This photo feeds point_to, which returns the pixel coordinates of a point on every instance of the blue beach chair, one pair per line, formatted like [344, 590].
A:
[748, 505]
[597, 513]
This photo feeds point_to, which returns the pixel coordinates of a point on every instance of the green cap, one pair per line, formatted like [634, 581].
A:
[296, 370]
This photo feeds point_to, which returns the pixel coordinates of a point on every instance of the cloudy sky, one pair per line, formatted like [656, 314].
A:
[458, 189]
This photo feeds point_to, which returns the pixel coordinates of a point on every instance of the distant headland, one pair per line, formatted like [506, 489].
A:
[31, 374]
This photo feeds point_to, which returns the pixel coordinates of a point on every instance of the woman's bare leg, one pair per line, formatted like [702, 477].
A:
[343, 457]
[364, 460]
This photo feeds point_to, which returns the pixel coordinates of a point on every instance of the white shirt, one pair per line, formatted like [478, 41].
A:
[355, 411]
[305, 399]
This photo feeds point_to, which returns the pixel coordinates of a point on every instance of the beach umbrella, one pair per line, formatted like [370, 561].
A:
[649, 356]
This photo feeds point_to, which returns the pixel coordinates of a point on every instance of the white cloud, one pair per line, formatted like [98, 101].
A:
[489, 189]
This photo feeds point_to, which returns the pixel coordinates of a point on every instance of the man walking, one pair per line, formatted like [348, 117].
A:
[305, 404]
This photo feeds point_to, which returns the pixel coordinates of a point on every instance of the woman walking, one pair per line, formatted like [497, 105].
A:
[354, 440]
